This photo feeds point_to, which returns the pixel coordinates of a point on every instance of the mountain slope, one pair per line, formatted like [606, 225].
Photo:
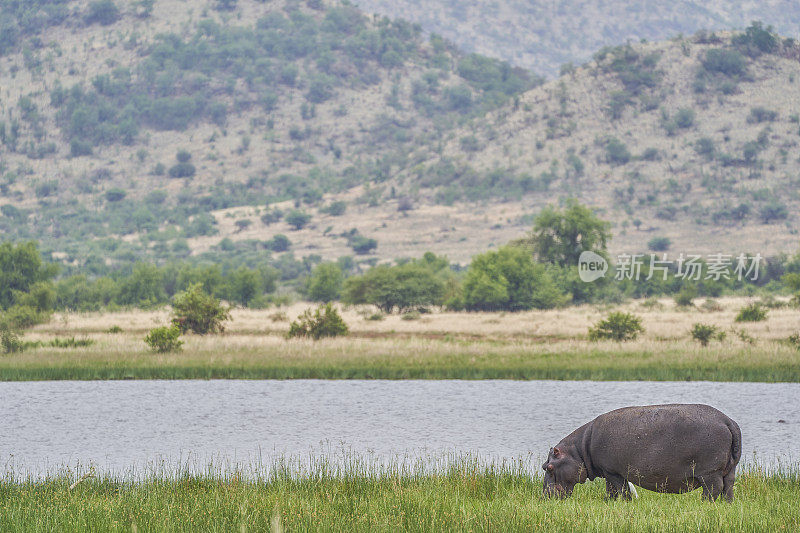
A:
[541, 35]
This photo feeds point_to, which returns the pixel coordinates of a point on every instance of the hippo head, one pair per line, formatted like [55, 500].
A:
[562, 471]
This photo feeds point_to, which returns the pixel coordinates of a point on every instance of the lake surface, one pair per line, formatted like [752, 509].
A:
[125, 426]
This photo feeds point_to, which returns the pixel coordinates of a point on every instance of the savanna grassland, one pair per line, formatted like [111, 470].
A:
[463, 497]
[527, 345]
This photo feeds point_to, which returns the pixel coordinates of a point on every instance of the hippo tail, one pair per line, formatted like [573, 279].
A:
[736, 444]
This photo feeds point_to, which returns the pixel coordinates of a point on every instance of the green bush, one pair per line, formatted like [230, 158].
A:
[659, 244]
[509, 279]
[325, 321]
[761, 114]
[103, 12]
[618, 326]
[363, 245]
[25, 316]
[705, 333]
[182, 170]
[727, 62]
[195, 310]
[164, 339]
[753, 312]
[9, 339]
[684, 118]
[616, 152]
[685, 296]
[298, 219]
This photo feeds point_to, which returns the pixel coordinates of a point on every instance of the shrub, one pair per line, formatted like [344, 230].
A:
[25, 316]
[325, 321]
[659, 244]
[115, 195]
[685, 296]
[279, 243]
[182, 170]
[753, 312]
[298, 219]
[103, 12]
[271, 216]
[114, 329]
[761, 114]
[363, 245]
[617, 326]
[704, 333]
[78, 148]
[684, 118]
[727, 62]
[194, 310]
[705, 146]
[164, 339]
[335, 209]
[772, 212]
[616, 152]
[9, 339]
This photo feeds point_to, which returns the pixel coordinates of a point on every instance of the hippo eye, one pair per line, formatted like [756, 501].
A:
[556, 452]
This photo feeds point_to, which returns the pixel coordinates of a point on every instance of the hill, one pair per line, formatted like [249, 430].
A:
[238, 132]
[542, 36]
[123, 128]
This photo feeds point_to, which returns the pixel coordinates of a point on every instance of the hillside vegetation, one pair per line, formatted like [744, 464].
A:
[239, 132]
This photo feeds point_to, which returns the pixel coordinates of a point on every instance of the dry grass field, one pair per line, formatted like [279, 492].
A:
[531, 345]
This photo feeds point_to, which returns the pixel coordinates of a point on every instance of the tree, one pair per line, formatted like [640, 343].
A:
[363, 245]
[143, 287]
[325, 283]
[297, 218]
[559, 237]
[401, 287]
[244, 285]
[21, 268]
[509, 279]
[194, 310]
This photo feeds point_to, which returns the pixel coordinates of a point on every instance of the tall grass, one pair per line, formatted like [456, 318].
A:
[462, 496]
[531, 345]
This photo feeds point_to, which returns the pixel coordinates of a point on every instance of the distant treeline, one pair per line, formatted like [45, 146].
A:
[537, 272]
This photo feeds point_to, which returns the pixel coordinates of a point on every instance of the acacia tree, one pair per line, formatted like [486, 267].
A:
[559, 237]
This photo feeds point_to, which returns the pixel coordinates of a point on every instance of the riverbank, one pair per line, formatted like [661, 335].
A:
[462, 498]
[531, 345]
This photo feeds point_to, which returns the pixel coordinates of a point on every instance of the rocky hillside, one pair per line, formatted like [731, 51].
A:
[238, 130]
[694, 140]
[544, 35]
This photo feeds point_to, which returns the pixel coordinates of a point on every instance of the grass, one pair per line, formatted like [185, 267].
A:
[533, 345]
[461, 497]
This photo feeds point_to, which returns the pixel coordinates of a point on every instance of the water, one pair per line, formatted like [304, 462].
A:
[120, 426]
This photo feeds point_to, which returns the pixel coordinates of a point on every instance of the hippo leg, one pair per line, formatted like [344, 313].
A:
[727, 485]
[712, 487]
[616, 485]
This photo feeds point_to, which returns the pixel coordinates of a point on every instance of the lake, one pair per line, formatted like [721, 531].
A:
[125, 426]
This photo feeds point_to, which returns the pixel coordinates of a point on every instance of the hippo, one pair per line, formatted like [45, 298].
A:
[666, 448]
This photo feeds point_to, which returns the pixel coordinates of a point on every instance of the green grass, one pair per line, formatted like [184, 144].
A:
[461, 497]
[223, 358]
